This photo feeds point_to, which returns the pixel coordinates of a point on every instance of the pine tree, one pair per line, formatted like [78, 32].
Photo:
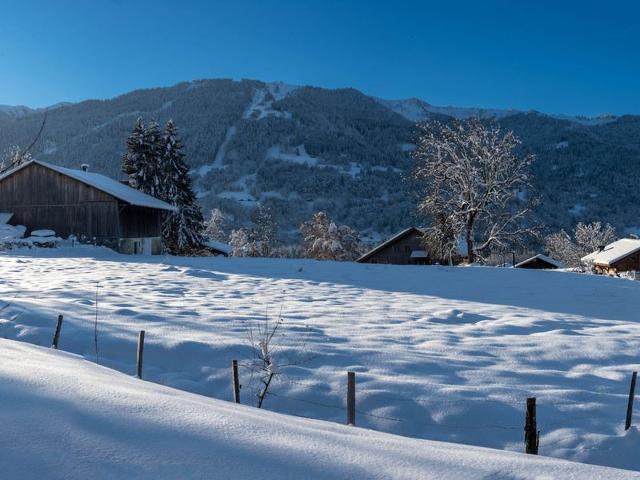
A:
[143, 162]
[182, 230]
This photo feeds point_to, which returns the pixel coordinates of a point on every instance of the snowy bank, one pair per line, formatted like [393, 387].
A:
[440, 353]
[64, 417]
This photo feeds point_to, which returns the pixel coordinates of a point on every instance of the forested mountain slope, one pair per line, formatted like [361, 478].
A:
[301, 149]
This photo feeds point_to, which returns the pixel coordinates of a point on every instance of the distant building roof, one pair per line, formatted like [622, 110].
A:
[220, 246]
[395, 238]
[544, 258]
[100, 182]
[614, 252]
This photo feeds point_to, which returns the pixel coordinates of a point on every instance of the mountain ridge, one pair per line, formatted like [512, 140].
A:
[301, 149]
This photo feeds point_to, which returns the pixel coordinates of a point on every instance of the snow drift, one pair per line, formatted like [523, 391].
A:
[63, 417]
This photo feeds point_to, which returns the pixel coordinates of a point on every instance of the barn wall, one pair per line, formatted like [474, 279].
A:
[140, 222]
[399, 252]
[42, 198]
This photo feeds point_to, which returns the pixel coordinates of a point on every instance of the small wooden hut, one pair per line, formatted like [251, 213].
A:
[620, 256]
[404, 248]
[539, 262]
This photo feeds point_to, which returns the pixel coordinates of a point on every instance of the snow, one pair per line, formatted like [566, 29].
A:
[297, 155]
[43, 233]
[577, 209]
[105, 184]
[10, 232]
[5, 217]
[222, 247]
[440, 353]
[613, 252]
[261, 105]
[68, 418]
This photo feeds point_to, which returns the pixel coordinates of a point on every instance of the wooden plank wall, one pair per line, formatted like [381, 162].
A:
[42, 198]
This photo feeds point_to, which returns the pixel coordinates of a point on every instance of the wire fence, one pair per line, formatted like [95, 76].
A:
[368, 396]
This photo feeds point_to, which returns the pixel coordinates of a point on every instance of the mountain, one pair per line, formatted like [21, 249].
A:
[301, 149]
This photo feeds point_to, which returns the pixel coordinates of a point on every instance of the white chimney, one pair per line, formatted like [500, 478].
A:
[85, 167]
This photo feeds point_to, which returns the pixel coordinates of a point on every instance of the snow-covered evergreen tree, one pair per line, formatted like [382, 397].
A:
[182, 230]
[325, 240]
[215, 226]
[143, 161]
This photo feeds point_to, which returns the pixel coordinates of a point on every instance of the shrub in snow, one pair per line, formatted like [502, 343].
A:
[325, 240]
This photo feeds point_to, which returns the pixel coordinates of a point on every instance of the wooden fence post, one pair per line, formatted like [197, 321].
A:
[531, 433]
[351, 398]
[632, 391]
[56, 335]
[140, 353]
[236, 381]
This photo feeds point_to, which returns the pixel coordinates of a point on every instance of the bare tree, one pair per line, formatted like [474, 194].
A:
[587, 238]
[474, 184]
[259, 239]
[269, 357]
[215, 226]
[325, 240]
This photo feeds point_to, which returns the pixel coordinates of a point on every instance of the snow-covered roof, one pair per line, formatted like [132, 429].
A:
[220, 246]
[103, 183]
[387, 242]
[544, 258]
[613, 252]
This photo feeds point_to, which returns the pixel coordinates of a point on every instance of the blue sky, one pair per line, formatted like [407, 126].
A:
[558, 57]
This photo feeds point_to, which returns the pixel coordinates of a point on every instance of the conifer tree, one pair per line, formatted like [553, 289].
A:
[182, 230]
[143, 161]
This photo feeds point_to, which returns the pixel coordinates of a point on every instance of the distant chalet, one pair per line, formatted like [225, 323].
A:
[404, 248]
[540, 262]
[620, 256]
[92, 207]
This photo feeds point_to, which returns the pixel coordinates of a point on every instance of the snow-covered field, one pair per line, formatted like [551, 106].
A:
[440, 353]
[63, 417]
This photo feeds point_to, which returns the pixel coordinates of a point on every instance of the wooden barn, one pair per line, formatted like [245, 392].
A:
[539, 262]
[92, 207]
[404, 248]
[620, 256]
